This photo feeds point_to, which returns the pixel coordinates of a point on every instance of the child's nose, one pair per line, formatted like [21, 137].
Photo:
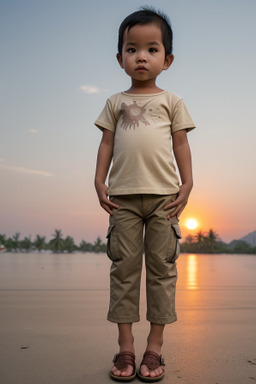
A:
[141, 58]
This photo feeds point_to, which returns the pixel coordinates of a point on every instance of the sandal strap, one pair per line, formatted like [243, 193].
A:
[122, 359]
[152, 360]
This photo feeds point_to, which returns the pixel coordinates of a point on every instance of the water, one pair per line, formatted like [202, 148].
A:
[83, 271]
[51, 271]
[205, 282]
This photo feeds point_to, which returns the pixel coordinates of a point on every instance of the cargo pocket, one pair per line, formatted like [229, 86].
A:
[174, 245]
[112, 243]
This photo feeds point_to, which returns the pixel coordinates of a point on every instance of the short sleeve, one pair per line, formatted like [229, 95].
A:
[181, 118]
[106, 119]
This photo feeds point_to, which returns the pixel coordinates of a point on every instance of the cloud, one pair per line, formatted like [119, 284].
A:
[23, 170]
[89, 89]
[33, 130]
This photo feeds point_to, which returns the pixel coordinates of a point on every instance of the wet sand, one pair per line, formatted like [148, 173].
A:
[54, 329]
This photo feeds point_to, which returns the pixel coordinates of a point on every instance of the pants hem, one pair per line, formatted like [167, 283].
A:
[123, 320]
[162, 320]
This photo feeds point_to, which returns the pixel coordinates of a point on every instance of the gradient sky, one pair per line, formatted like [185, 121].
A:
[58, 66]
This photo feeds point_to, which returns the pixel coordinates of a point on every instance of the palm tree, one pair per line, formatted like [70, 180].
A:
[85, 247]
[39, 243]
[188, 245]
[9, 244]
[2, 239]
[26, 243]
[211, 239]
[189, 239]
[99, 246]
[69, 244]
[200, 240]
[16, 242]
[57, 241]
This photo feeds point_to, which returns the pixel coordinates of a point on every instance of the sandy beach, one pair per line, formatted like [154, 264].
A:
[54, 329]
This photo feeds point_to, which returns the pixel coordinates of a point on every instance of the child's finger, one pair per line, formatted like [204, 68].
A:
[107, 208]
[177, 212]
[107, 205]
[173, 214]
[113, 205]
[173, 204]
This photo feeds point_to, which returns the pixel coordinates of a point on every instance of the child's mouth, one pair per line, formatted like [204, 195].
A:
[141, 69]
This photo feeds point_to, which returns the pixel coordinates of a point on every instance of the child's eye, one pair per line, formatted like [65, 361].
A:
[152, 50]
[131, 50]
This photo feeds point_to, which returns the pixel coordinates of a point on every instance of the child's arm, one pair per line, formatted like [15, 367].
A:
[183, 158]
[104, 158]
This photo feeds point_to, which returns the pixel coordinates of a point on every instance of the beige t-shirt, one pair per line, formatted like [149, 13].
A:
[143, 125]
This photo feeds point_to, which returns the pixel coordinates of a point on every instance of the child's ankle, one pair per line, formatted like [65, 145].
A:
[154, 344]
[126, 345]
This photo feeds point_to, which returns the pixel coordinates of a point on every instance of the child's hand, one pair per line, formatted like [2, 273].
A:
[102, 192]
[180, 203]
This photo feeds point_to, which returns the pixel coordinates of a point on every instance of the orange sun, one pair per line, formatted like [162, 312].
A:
[191, 224]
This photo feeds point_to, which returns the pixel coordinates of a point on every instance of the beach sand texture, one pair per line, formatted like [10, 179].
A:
[54, 329]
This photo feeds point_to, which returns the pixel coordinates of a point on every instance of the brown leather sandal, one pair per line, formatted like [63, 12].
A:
[121, 360]
[153, 361]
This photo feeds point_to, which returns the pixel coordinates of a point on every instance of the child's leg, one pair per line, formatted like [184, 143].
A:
[125, 337]
[161, 276]
[125, 246]
[125, 341]
[155, 338]
[155, 342]
[161, 246]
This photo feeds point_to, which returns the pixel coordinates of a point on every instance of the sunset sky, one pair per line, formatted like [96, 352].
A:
[58, 66]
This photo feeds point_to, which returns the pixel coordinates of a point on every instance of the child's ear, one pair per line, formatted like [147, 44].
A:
[168, 61]
[120, 60]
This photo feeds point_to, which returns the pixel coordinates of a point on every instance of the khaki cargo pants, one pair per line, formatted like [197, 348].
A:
[138, 218]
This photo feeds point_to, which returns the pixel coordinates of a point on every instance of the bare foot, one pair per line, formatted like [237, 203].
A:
[128, 369]
[146, 372]
[151, 366]
[124, 364]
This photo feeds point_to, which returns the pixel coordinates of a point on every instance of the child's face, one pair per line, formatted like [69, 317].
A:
[143, 53]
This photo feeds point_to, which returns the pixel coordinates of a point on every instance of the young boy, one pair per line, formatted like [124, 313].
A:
[143, 198]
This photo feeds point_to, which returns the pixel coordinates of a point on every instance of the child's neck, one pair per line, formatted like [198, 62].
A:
[143, 88]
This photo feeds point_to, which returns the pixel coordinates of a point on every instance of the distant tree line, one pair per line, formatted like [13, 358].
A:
[209, 242]
[202, 242]
[58, 243]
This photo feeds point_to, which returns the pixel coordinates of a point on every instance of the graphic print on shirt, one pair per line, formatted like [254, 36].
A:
[132, 115]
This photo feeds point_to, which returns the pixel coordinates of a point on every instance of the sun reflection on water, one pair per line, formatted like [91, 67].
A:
[192, 274]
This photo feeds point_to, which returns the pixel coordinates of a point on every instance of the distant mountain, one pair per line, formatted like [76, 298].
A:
[250, 239]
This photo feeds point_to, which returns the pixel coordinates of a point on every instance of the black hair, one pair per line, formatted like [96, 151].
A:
[145, 16]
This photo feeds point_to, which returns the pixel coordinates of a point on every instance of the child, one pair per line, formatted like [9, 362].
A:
[139, 129]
